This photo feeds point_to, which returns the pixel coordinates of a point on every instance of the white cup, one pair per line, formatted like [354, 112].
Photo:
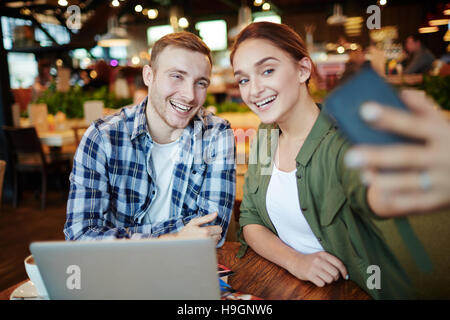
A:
[35, 276]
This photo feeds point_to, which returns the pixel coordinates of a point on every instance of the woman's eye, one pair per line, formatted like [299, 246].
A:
[242, 81]
[268, 71]
[176, 76]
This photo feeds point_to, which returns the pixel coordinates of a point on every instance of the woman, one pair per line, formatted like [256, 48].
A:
[304, 209]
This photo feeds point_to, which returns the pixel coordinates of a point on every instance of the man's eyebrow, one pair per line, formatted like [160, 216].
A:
[258, 63]
[177, 70]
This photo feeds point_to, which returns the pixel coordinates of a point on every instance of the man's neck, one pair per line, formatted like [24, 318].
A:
[160, 131]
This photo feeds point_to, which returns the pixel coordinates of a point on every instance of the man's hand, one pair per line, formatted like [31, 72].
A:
[194, 229]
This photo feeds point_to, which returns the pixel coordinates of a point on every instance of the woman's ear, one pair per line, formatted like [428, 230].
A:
[147, 75]
[304, 69]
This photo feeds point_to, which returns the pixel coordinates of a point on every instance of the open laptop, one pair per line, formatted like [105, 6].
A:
[129, 269]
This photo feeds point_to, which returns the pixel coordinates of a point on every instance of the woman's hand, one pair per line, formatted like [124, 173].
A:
[320, 268]
[421, 180]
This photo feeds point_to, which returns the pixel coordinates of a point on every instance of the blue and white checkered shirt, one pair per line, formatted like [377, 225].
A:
[112, 182]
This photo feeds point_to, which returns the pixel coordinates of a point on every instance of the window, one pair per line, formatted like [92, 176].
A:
[213, 33]
[157, 32]
[8, 27]
[22, 69]
[268, 16]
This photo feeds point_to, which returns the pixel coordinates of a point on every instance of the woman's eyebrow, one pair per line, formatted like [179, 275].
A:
[258, 63]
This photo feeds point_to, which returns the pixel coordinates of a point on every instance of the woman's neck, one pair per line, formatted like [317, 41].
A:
[299, 121]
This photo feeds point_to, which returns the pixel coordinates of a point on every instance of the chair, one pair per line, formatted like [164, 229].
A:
[2, 176]
[77, 134]
[27, 154]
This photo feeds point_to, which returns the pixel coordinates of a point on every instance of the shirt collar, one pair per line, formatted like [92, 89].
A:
[320, 129]
[140, 120]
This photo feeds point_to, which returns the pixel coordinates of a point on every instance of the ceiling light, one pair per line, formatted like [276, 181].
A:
[62, 3]
[183, 22]
[447, 36]
[115, 37]
[337, 18]
[446, 10]
[438, 21]
[115, 3]
[135, 60]
[266, 6]
[428, 29]
[138, 8]
[152, 13]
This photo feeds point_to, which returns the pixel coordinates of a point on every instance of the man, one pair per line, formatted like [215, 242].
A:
[420, 58]
[163, 168]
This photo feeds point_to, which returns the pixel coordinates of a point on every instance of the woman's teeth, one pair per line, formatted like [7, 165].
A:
[180, 107]
[262, 103]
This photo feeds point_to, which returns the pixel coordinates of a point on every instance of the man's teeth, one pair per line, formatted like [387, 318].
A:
[265, 101]
[180, 107]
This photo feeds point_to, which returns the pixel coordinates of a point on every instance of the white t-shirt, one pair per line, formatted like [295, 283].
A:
[163, 157]
[283, 206]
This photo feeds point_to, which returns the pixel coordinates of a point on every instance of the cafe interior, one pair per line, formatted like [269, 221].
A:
[67, 63]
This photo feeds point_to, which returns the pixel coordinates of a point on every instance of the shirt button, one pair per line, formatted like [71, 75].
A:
[304, 209]
[320, 239]
[153, 192]
[194, 172]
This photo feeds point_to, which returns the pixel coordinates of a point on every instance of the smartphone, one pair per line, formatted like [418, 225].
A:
[344, 102]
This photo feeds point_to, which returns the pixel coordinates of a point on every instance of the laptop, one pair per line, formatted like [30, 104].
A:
[159, 269]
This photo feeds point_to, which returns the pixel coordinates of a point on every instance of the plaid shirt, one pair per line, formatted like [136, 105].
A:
[112, 182]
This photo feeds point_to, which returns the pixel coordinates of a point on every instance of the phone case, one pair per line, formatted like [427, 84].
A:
[344, 102]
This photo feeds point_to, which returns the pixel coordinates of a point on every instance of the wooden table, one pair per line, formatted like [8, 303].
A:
[255, 275]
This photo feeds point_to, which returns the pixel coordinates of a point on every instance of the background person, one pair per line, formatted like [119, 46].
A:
[420, 58]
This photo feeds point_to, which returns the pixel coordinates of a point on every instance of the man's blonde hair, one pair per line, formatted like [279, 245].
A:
[185, 40]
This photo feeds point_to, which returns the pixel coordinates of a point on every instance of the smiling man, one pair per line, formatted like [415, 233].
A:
[163, 168]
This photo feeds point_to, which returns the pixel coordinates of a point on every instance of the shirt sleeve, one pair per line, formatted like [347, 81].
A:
[355, 190]
[248, 209]
[217, 193]
[89, 197]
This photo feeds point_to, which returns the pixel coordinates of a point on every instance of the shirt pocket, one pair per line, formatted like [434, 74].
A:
[332, 205]
[196, 178]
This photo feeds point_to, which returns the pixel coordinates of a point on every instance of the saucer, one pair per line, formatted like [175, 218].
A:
[26, 291]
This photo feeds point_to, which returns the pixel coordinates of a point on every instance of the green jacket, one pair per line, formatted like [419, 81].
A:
[333, 201]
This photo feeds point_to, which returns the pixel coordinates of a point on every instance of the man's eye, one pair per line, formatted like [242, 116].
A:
[242, 81]
[176, 76]
[203, 84]
[268, 71]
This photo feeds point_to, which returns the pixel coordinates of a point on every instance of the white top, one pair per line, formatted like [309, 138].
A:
[163, 157]
[283, 206]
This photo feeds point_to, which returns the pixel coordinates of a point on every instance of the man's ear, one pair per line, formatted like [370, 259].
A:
[304, 69]
[147, 75]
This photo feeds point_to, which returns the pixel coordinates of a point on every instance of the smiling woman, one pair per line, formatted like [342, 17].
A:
[310, 214]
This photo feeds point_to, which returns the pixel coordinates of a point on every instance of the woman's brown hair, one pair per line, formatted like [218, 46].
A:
[280, 35]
